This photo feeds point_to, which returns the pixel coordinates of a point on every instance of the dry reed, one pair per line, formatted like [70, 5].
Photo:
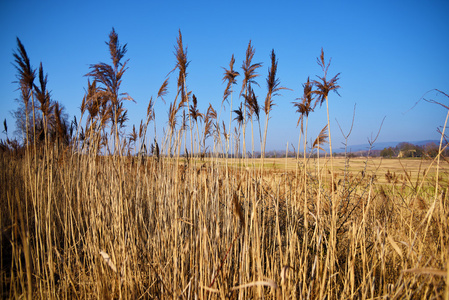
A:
[81, 223]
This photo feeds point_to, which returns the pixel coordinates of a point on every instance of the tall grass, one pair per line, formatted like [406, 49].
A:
[80, 224]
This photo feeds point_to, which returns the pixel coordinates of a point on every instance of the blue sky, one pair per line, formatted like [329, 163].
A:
[389, 53]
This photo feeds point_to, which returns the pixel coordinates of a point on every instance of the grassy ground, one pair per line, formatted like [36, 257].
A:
[77, 224]
[410, 170]
[83, 226]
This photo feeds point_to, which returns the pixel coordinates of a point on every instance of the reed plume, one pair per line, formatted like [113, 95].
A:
[25, 75]
[181, 65]
[323, 87]
[239, 115]
[110, 79]
[273, 85]
[304, 107]
[61, 127]
[249, 70]
[253, 108]
[229, 76]
[252, 104]
[151, 115]
[321, 139]
[249, 73]
[195, 114]
[42, 94]
[163, 90]
[304, 104]
[209, 119]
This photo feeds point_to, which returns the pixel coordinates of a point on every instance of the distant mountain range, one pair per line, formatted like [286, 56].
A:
[382, 145]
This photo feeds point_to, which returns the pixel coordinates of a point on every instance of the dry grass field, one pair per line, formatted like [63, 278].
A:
[83, 218]
[114, 227]
[404, 171]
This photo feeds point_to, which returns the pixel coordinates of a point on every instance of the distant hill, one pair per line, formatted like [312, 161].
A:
[382, 145]
[357, 150]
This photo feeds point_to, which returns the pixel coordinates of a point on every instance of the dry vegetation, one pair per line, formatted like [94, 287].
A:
[83, 221]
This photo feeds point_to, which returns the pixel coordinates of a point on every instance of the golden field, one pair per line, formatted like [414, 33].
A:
[88, 212]
[89, 227]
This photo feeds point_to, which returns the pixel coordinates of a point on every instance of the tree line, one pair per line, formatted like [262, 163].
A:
[405, 149]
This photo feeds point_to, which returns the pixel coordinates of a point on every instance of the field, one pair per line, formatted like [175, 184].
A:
[89, 212]
[110, 227]
[405, 171]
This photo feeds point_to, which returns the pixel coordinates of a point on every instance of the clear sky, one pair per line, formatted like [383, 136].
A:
[389, 53]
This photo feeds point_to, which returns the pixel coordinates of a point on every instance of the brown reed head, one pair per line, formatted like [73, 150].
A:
[323, 85]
